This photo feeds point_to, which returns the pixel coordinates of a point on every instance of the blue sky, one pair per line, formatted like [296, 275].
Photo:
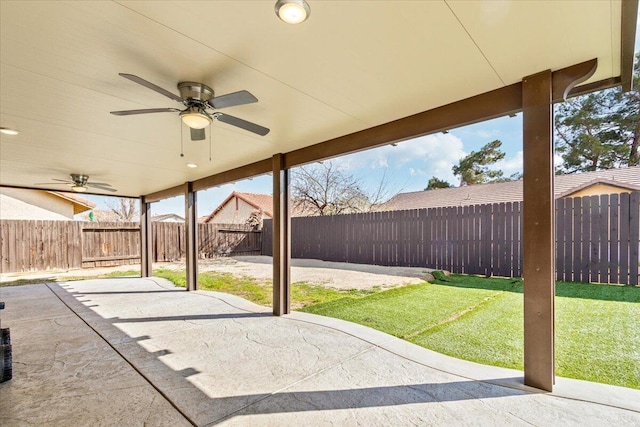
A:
[408, 166]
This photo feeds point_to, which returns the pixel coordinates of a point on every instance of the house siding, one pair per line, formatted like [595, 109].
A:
[229, 214]
[18, 203]
[598, 189]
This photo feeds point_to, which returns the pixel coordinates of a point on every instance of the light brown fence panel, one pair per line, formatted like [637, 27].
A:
[107, 244]
[39, 245]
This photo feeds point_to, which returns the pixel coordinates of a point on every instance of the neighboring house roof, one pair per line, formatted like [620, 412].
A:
[79, 204]
[259, 201]
[167, 218]
[263, 202]
[511, 191]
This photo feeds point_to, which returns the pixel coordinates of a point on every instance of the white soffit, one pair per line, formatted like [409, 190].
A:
[352, 65]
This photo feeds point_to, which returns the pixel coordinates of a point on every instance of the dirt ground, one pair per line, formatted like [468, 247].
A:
[331, 274]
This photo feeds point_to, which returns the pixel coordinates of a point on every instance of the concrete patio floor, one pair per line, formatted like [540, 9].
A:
[141, 352]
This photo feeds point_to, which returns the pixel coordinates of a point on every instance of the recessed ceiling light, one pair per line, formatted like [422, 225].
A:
[292, 11]
[8, 131]
[192, 165]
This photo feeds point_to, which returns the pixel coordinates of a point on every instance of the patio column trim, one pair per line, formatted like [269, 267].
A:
[146, 247]
[191, 236]
[538, 232]
[281, 237]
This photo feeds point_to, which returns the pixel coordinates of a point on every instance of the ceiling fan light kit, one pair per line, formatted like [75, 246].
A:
[195, 119]
[79, 188]
[292, 11]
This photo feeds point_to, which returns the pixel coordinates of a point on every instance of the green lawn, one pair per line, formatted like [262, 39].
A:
[479, 319]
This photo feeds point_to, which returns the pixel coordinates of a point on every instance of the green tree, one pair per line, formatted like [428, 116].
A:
[600, 130]
[436, 182]
[474, 168]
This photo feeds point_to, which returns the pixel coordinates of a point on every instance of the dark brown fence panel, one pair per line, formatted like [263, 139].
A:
[596, 238]
[614, 238]
[634, 237]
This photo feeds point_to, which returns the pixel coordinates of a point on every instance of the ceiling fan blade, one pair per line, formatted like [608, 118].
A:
[103, 184]
[53, 183]
[242, 124]
[232, 99]
[197, 134]
[144, 111]
[151, 86]
[106, 187]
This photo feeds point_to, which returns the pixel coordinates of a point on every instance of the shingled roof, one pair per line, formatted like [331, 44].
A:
[261, 202]
[628, 178]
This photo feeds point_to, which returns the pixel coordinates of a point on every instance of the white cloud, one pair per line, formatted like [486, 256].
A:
[511, 165]
[428, 155]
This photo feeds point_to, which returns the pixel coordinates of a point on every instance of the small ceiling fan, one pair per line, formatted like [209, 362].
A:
[80, 183]
[200, 104]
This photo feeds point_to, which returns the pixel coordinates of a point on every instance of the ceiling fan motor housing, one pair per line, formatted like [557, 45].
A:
[195, 91]
[80, 180]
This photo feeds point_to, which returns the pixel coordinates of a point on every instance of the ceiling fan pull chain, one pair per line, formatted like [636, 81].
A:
[181, 140]
[210, 132]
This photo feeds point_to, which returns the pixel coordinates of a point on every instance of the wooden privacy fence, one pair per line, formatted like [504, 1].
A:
[52, 245]
[597, 238]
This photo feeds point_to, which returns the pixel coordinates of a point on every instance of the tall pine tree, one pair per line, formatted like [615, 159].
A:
[600, 130]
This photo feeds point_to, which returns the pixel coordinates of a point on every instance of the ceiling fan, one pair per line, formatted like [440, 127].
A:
[200, 104]
[80, 183]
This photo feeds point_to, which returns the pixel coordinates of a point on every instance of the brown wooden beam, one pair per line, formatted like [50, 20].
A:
[146, 247]
[500, 102]
[496, 103]
[253, 169]
[595, 86]
[281, 239]
[191, 236]
[538, 231]
[178, 190]
[628, 37]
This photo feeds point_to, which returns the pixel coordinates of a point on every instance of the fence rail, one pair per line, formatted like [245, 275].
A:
[54, 245]
[597, 238]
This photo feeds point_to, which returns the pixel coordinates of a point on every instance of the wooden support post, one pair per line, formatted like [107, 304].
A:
[146, 248]
[538, 231]
[281, 238]
[191, 236]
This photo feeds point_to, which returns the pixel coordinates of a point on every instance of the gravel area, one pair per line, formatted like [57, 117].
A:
[314, 272]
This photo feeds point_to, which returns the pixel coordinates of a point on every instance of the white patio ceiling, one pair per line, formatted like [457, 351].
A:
[351, 66]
